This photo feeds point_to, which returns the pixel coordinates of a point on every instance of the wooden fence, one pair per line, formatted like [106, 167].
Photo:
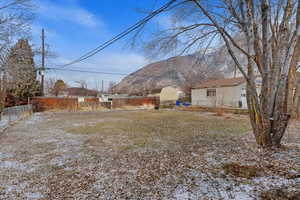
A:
[72, 104]
[54, 103]
[135, 101]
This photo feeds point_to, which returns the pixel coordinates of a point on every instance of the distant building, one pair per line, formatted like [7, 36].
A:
[167, 94]
[155, 92]
[107, 97]
[170, 94]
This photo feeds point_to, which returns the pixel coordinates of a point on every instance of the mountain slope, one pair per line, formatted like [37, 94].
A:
[179, 71]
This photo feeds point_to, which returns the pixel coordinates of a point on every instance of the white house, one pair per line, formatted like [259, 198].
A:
[229, 92]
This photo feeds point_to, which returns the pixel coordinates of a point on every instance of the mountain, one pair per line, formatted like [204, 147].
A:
[180, 71]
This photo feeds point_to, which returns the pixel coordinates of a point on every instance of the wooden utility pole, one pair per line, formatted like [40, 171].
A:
[234, 75]
[42, 71]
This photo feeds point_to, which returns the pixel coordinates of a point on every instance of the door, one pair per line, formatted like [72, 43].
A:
[243, 100]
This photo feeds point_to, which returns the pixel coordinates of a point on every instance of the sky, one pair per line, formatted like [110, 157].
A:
[73, 27]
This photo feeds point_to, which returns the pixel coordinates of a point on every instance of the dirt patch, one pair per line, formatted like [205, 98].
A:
[280, 194]
[75, 182]
[243, 171]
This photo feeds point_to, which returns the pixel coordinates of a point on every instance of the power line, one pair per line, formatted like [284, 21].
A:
[99, 72]
[119, 36]
[86, 71]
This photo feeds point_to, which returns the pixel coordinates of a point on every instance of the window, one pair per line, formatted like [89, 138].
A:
[243, 92]
[211, 92]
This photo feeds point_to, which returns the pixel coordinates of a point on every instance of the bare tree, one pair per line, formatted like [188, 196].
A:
[82, 84]
[266, 34]
[15, 20]
[54, 86]
[111, 87]
[49, 85]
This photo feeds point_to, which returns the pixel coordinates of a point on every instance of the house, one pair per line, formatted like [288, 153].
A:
[155, 92]
[230, 92]
[108, 97]
[78, 92]
[170, 94]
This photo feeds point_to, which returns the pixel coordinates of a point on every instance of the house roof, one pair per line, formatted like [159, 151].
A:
[80, 92]
[156, 90]
[221, 83]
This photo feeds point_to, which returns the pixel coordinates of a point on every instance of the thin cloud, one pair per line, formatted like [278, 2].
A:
[70, 13]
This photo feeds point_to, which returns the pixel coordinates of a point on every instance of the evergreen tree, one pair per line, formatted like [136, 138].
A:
[21, 72]
[58, 87]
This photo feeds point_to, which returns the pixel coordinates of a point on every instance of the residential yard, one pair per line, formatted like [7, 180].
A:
[144, 155]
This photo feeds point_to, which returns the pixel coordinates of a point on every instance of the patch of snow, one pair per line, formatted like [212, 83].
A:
[214, 158]
[13, 165]
[272, 181]
[3, 121]
[35, 118]
[293, 144]
[60, 161]
[34, 195]
[181, 193]
[84, 124]
[17, 188]
[45, 140]
[211, 187]
[10, 188]
[5, 155]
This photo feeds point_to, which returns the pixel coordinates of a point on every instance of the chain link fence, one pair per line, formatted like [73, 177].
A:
[12, 114]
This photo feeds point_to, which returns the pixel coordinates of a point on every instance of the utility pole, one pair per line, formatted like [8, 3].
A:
[42, 70]
[234, 75]
[102, 85]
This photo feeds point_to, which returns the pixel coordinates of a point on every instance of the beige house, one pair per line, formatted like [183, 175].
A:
[229, 92]
[167, 94]
[170, 93]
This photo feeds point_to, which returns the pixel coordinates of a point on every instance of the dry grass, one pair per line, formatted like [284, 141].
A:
[142, 155]
[155, 129]
[219, 112]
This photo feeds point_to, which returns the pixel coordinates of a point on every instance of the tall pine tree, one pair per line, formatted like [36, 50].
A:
[21, 73]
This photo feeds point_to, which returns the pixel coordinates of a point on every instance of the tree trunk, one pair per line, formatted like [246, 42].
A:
[266, 134]
[293, 85]
[295, 104]
[269, 128]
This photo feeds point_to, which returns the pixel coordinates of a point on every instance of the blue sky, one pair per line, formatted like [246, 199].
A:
[74, 27]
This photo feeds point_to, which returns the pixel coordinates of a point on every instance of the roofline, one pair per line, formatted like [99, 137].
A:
[221, 86]
[217, 86]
